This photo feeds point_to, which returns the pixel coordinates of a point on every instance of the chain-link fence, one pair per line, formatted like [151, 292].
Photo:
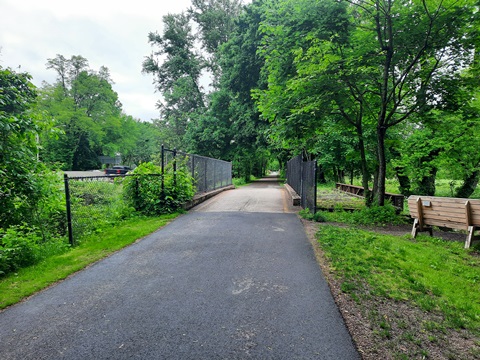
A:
[302, 177]
[209, 174]
[98, 202]
[94, 203]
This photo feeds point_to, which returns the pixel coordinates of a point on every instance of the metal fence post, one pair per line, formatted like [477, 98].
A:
[163, 169]
[175, 167]
[193, 167]
[214, 177]
[315, 187]
[69, 211]
[205, 176]
[137, 192]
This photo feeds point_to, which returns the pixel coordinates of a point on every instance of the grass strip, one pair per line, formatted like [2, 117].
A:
[435, 275]
[28, 281]
[407, 299]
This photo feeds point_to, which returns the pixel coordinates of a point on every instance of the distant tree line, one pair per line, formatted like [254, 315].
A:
[88, 120]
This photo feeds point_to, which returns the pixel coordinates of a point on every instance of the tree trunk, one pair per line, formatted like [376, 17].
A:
[469, 185]
[321, 175]
[403, 180]
[341, 176]
[426, 185]
[382, 166]
[364, 167]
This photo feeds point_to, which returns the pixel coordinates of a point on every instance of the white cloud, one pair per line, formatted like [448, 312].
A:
[106, 32]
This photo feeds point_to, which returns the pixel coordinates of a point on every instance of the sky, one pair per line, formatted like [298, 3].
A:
[111, 33]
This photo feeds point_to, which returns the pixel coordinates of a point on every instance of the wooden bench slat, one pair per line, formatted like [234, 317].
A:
[475, 217]
[459, 224]
[474, 221]
[449, 204]
[475, 208]
[446, 224]
[444, 200]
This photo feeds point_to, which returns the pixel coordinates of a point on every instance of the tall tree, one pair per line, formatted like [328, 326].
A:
[176, 69]
[417, 44]
[18, 146]
[374, 63]
[241, 73]
[216, 24]
[86, 109]
[299, 97]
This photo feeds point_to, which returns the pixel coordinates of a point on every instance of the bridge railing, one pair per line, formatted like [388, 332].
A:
[397, 200]
[302, 177]
[209, 174]
[95, 202]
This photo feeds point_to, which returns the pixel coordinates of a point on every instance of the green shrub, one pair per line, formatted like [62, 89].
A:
[144, 189]
[44, 208]
[19, 247]
[49, 211]
[376, 215]
[319, 217]
[239, 182]
[307, 215]
[97, 205]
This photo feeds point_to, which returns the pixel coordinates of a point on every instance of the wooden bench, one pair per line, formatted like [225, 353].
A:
[358, 191]
[452, 213]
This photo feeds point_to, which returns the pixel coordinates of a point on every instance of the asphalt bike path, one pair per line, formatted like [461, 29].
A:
[235, 278]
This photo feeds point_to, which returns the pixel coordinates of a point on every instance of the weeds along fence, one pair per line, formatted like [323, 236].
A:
[98, 202]
[302, 177]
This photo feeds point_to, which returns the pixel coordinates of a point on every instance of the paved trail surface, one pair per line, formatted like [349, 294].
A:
[235, 278]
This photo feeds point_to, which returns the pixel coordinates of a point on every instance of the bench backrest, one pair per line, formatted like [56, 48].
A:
[455, 213]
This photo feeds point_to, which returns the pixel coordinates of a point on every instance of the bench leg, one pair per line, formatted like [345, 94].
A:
[470, 236]
[417, 228]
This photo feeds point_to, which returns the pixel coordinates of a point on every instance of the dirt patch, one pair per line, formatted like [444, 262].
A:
[388, 329]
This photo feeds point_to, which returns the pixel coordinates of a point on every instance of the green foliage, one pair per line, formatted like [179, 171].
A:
[18, 147]
[307, 215]
[22, 246]
[348, 71]
[58, 263]
[18, 248]
[47, 210]
[433, 274]
[239, 182]
[88, 119]
[377, 215]
[366, 216]
[144, 188]
[176, 69]
[216, 21]
[179, 186]
[96, 206]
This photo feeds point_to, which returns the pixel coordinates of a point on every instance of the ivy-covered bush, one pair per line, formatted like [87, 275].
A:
[144, 188]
